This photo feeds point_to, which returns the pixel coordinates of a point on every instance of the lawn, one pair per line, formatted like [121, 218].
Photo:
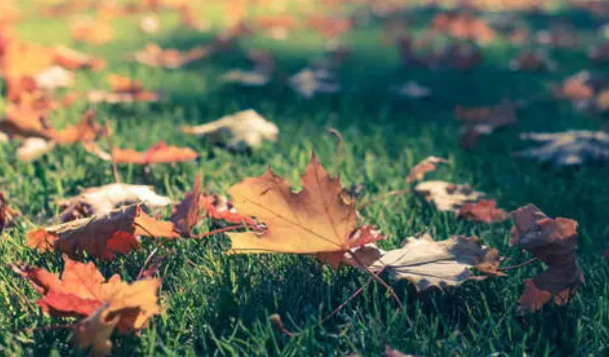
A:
[219, 304]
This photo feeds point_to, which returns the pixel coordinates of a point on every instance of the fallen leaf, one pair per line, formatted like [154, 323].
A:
[533, 61]
[429, 164]
[447, 196]
[53, 78]
[389, 352]
[482, 211]
[242, 130]
[124, 90]
[315, 220]
[186, 213]
[33, 148]
[573, 147]
[309, 82]
[103, 199]
[73, 60]
[427, 263]
[101, 236]
[103, 305]
[154, 56]
[158, 153]
[483, 121]
[554, 242]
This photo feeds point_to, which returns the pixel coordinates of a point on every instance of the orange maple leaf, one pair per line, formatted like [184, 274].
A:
[315, 220]
[82, 292]
[158, 153]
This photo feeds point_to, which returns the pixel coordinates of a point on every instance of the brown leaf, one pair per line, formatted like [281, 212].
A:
[73, 60]
[429, 164]
[447, 196]
[158, 153]
[186, 213]
[154, 56]
[483, 121]
[314, 220]
[554, 242]
[568, 148]
[101, 236]
[482, 211]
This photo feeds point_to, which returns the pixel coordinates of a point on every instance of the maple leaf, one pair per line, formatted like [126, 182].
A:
[103, 199]
[124, 90]
[73, 60]
[533, 61]
[447, 196]
[429, 164]
[427, 263]
[82, 292]
[101, 236]
[242, 130]
[483, 121]
[554, 242]
[315, 220]
[25, 121]
[154, 56]
[158, 153]
[573, 147]
[482, 211]
[186, 213]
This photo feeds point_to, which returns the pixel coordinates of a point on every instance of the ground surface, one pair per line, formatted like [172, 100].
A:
[216, 304]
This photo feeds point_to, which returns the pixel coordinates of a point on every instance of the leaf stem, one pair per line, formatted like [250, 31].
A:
[375, 277]
[518, 265]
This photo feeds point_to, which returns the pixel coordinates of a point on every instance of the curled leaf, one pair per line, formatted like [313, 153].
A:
[429, 164]
[554, 242]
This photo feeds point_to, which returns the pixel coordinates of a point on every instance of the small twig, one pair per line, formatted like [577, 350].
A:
[276, 319]
[146, 262]
[353, 296]
[117, 177]
[389, 288]
[518, 265]
[339, 145]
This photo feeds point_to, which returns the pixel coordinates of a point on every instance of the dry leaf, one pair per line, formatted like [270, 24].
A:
[53, 78]
[33, 148]
[554, 242]
[482, 211]
[154, 56]
[73, 60]
[429, 164]
[389, 352]
[124, 90]
[315, 220]
[158, 153]
[103, 199]
[309, 82]
[533, 61]
[242, 130]
[104, 305]
[483, 121]
[447, 196]
[573, 147]
[101, 236]
[427, 263]
[186, 213]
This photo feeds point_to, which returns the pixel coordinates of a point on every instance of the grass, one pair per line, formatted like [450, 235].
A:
[216, 304]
